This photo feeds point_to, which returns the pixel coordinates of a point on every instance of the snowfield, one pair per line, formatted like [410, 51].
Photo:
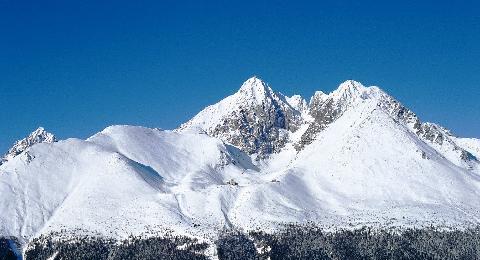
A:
[368, 166]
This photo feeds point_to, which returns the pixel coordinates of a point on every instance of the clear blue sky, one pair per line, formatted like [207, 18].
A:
[76, 67]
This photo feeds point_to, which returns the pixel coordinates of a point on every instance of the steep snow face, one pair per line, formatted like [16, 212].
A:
[256, 119]
[436, 136]
[324, 109]
[37, 136]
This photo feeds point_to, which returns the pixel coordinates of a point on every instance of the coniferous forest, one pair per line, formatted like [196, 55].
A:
[292, 242]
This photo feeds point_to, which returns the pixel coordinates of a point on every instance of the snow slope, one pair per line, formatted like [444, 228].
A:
[365, 169]
[120, 181]
[470, 144]
[371, 163]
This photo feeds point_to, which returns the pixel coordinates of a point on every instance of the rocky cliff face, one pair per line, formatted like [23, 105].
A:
[324, 109]
[37, 136]
[256, 119]
[437, 136]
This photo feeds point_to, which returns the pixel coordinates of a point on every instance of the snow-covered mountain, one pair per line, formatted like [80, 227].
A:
[256, 159]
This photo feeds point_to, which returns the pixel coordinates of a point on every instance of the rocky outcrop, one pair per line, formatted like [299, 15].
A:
[37, 136]
[324, 109]
[256, 119]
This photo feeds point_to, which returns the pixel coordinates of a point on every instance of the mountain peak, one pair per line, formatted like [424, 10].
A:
[255, 89]
[254, 83]
[318, 95]
[40, 135]
[39, 131]
[254, 119]
[298, 103]
[350, 87]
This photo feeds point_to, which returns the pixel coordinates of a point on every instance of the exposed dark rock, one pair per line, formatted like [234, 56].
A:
[259, 126]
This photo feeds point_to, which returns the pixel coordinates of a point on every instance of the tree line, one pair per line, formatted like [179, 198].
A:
[291, 242]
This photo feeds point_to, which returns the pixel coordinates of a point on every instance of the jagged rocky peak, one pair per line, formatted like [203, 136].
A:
[349, 89]
[40, 135]
[254, 89]
[318, 95]
[324, 109]
[298, 103]
[349, 92]
[256, 119]
[443, 140]
[346, 93]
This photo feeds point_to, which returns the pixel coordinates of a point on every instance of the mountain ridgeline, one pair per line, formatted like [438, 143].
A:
[227, 182]
[259, 120]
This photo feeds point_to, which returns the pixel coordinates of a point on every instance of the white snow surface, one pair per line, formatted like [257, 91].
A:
[365, 168]
[470, 144]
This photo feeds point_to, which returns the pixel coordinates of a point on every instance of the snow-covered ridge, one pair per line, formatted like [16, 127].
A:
[237, 119]
[37, 136]
[231, 118]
